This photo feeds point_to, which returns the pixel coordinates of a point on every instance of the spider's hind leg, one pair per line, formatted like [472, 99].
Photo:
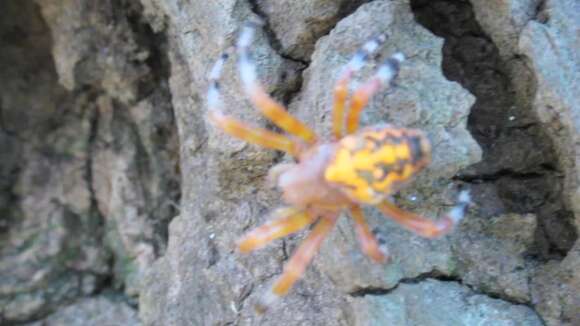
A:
[287, 220]
[297, 264]
[425, 227]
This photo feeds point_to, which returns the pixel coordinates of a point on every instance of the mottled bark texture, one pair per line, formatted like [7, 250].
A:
[120, 204]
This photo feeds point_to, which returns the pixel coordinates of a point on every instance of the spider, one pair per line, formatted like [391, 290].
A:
[353, 168]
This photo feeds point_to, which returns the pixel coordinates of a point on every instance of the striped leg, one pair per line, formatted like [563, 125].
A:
[369, 244]
[384, 75]
[288, 220]
[235, 128]
[261, 100]
[296, 266]
[425, 227]
[341, 87]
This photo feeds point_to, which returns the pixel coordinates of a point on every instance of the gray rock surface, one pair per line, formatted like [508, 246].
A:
[295, 29]
[545, 35]
[504, 20]
[96, 311]
[89, 178]
[492, 255]
[133, 169]
[104, 140]
[447, 303]
[47, 254]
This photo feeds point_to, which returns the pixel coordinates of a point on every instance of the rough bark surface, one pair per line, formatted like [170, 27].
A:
[120, 204]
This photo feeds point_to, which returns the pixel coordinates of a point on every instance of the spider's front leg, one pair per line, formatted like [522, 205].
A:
[425, 227]
[384, 75]
[341, 87]
[261, 100]
[240, 130]
[297, 264]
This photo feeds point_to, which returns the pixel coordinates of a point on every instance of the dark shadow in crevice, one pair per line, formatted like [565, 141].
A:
[519, 162]
[156, 86]
[35, 113]
[319, 28]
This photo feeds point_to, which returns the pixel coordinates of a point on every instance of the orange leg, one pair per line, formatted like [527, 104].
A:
[235, 128]
[296, 266]
[340, 94]
[263, 102]
[254, 135]
[385, 74]
[369, 244]
[425, 227]
[289, 220]
[341, 87]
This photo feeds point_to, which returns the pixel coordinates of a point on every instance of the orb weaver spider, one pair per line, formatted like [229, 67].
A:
[353, 168]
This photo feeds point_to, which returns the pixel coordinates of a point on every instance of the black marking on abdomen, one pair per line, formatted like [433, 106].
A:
[414, 143]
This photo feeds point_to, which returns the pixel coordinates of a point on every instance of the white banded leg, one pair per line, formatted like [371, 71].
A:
[385, 74]
[341, 87]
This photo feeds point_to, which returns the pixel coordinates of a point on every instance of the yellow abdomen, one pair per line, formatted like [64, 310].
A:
[370, 165]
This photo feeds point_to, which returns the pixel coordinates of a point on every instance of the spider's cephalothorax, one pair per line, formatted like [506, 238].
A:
[355, 167]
